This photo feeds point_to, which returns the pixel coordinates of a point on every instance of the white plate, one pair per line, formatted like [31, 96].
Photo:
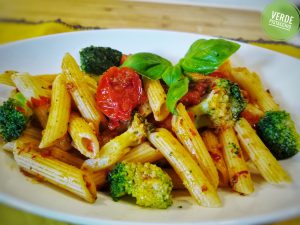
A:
[280, 74]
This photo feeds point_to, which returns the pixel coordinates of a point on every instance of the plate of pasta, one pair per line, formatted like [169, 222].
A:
[152, 127]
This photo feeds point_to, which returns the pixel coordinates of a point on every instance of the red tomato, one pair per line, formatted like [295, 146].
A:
[119, 92]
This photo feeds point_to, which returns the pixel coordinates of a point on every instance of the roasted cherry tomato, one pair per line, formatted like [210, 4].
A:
[119, 92]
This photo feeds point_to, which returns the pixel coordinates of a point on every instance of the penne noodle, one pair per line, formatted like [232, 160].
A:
[263, 159]
[78, 88]
[215, 150]
[30, 87]
[49, 78]
[185, 130]
[83, 136]
[5, 78]
[57, 123]
[251, 82]
[54, 171]
[108, 156]
[114, 150]
[143, 153]
[65, 157]
[252, 113]
[187, 169]
[157, 98]
[144, 109]
[8, 146]
[92, 83]
[33, 91]
[239, 175]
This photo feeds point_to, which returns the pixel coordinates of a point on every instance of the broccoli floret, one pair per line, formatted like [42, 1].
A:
[14, 116]
[148, 183]
[222, 105]
[278, 132]
[96, 60]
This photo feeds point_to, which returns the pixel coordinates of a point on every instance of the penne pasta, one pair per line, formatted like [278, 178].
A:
[65, 157]
[116, 148]
[91, 83]
[239, 175]
[143, 153]
[108, 156]
[187, 169]
[57, 123]
[83, 136]
[30, 135]
[5, 78]
[215, 150]
[144, 109]
[252, 113]
[49, 78]
[263, 159]
[8, 146]
[80, 92]
[34, 92]
[251, 82]
[54, 171]
[157, 98]
[185, 130]
[30, 87]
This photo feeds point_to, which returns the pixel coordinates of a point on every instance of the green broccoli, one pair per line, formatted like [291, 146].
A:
[148, 183]
[222, 105]
[278, 132]
[96, 60]
[14, 116]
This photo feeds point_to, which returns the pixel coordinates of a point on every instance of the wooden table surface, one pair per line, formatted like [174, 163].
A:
[230, 23]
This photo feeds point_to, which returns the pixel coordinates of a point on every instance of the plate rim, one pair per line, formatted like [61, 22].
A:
[139, 30]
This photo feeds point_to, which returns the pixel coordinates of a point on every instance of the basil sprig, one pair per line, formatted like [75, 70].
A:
[204, 56]
[147, 64]
[176, 91]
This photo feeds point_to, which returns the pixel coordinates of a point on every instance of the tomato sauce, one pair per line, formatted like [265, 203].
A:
[119, 92]
[215, 156]
[236, 176]
[250, 117]
[41, 101]
[196, 91]
[218, 74]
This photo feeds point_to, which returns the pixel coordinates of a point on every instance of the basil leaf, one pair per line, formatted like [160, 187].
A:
[176, 91]
[147, 64]
[172, 74]
[205, 56]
